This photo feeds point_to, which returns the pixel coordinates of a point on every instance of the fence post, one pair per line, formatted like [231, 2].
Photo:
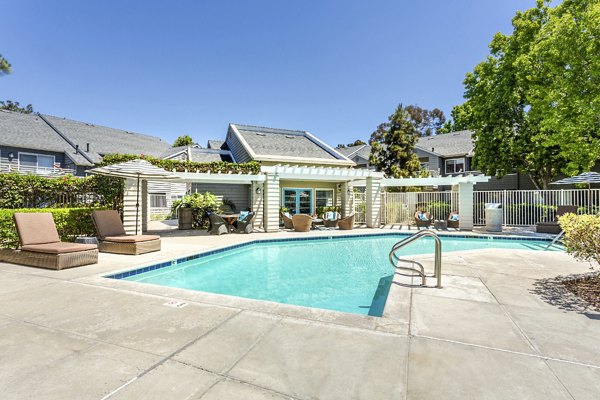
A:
[504, 207]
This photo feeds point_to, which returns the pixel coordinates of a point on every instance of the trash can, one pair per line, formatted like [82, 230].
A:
[185, 216]
[493, 217]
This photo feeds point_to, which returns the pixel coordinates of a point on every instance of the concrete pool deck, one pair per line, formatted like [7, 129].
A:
[501, 327]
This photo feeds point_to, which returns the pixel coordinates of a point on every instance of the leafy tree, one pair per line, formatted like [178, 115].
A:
[16, 107]
[427, 122]
[392, 145]
[4, 66]
[534, 102]
[357, 142]
[461, 119]
[184, 140]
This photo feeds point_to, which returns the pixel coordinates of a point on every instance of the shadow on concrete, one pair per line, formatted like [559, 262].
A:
[554, 292]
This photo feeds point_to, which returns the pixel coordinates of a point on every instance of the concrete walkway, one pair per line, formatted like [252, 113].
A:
[500, 328]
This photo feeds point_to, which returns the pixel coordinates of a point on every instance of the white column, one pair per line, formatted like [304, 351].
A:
[257, 190]
[346, 199]
[465, 206]
[373, 210]
[271, 203]
[129, 201]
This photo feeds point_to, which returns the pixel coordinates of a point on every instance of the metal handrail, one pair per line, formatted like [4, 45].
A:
[394, 259]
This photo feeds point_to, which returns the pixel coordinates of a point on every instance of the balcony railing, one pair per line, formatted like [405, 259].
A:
[6, 167]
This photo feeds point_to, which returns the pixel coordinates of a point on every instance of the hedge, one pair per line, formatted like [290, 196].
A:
[70, 223]
[34, 191]
[252, 167]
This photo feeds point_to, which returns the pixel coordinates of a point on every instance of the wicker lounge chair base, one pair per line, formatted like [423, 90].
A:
[49, 261]
[133, 248]
[346, 223]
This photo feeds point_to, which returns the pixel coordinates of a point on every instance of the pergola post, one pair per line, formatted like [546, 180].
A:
[465, 206]
[129, 201]
[271, 203]
[373, 206]
[144, 200]
[257, 190]
[346, 195]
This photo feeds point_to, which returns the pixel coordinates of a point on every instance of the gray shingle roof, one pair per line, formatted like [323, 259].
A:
[210, 155]
[361, 150]
[217, 144]
[104, 140]
[448, 144]
[28, 131]
[283, 142]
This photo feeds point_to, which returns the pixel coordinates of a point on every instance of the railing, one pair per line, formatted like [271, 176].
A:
[23, 169]
[528, 207]
[519, 207]
[437, 271]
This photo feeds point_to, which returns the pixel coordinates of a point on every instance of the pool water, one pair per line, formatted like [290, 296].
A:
[343, 274]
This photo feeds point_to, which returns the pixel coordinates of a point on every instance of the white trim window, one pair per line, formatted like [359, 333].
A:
[158, 200]
[455, 165]
[323, 197]
[39, 163]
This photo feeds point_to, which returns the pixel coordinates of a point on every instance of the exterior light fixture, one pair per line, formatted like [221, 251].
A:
[258, 190]
[11, 155]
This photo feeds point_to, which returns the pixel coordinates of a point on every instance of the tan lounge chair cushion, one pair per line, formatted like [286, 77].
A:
[131, 238]
[36, 228]
[108, 223]
[58, 247]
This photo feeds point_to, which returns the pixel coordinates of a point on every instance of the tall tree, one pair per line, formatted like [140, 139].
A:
[357, 142]
[184, 140]
[4, 66]
[427, 122]
[534, 102]
[16, 107]
[392, 145]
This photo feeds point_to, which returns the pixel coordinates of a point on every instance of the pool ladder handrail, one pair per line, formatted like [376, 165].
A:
[395, 260]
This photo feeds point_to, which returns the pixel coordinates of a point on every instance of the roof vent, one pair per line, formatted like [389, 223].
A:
[289, 136]
[433, 149]
[261, 134]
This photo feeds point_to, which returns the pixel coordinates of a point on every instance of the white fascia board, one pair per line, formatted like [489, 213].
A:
[439, 181]
[324, 161]
[245, 144]
[327, 147]
[207, 177]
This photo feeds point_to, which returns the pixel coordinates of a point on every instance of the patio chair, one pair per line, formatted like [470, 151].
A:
[218, 226]
[553, 226]
[287, 221]
[453, 220]
[114, 239]
[245, 225]
[422, 222]
[40, 245]
[302, 222]
[346, 223]
[331, 219]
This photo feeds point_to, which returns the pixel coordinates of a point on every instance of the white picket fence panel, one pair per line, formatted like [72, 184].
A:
[359, 205]
[520, 207]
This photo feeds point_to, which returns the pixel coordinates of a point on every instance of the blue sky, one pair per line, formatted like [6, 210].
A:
[334, 68]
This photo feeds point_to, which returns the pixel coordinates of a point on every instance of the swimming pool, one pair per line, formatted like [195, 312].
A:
[350, 274]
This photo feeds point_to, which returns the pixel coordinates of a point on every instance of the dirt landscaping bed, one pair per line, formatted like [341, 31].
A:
[587, 287]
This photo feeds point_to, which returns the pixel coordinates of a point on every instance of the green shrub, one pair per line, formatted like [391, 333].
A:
[70, 223]
[582, 236]
[439, 209]
[34, 191]
[201, 204]
[252, 167]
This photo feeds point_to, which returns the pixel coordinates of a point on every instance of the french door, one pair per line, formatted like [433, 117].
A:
[298, 201]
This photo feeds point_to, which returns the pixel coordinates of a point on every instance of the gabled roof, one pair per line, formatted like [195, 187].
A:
[453, 144]
[284, 145]
[362, 150]
[173, 151]
[104, 140]
[211, 155]
[217, 144]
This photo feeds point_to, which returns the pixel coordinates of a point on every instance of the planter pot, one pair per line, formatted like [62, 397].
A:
[185, 218]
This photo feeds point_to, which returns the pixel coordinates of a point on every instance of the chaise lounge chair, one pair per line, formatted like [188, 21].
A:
[553, 226]
[245, 225]
[421, 222]
[287, 221]
[113, 238]
[302, 222]
[346, 223]
[218, 226]
[41, 245]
